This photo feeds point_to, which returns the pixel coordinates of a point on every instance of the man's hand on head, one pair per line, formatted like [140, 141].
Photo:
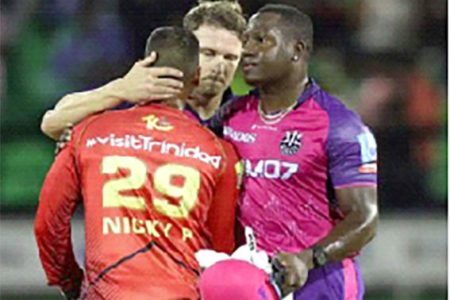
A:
[145, 83]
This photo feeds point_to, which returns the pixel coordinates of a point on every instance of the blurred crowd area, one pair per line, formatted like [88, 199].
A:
[385, 59]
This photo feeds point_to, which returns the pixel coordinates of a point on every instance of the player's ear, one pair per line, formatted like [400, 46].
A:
[300, 46]
[300, 50]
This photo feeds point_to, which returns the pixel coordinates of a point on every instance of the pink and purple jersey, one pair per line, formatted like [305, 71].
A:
[293, 166]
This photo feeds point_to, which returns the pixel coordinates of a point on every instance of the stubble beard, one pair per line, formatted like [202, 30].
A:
[203, 94]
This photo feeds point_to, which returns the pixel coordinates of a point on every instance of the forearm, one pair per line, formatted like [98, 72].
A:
[349, 236]
[75, 107]
[58, 260]
[357, 228]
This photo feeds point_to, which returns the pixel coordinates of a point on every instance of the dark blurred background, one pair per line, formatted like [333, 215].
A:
[386, 59]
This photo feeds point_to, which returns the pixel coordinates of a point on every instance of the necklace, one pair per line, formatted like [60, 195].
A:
[272, 118]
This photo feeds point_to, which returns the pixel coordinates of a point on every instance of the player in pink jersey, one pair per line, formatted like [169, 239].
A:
[156, 186]
[310, 188]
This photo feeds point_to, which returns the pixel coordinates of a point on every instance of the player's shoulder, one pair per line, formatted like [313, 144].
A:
[239, 104]
[189, 128]
[208, 138]
[101, 117]
[231, 159]
[345, 127]
[80, 128]
[109, 122]
[236, 106]
[210, 143]
[229, 149]
[342, 120]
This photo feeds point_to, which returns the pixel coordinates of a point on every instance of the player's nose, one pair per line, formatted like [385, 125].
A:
[220, 69]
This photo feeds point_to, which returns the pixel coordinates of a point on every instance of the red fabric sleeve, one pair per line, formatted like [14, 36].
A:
[58, 199]
[222, 213]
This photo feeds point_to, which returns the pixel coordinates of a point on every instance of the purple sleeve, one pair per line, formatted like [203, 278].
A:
[352, 151]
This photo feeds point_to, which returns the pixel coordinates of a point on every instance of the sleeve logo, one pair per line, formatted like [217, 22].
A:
[368, 146]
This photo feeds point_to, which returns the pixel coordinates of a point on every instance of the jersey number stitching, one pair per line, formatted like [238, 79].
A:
[162, 177]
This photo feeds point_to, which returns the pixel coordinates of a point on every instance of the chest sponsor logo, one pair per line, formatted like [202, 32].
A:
[270, 169]
[148, 143]
[264, 127]
[238, 136]
[291, 143]
[155, 123]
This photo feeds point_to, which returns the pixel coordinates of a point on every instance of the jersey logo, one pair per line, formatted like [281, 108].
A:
[148, 143]
[270, 169]
[291, 143]
[155, 123]
[368, 146]
[239, 136]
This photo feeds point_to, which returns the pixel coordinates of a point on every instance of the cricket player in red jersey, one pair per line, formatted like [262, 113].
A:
[156, 187]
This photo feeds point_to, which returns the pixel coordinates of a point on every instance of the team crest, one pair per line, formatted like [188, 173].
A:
[291, 143]
[155, 123]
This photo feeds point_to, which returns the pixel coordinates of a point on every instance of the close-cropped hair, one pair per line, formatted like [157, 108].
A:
[176, 47]
[220, 13]
[296, 24]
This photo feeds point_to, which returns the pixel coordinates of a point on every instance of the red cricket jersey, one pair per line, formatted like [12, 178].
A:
[156, 187]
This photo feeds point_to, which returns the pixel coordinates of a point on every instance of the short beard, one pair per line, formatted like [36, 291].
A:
[204, 94]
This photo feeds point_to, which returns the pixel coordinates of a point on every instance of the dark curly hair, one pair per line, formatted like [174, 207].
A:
[219, 13]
